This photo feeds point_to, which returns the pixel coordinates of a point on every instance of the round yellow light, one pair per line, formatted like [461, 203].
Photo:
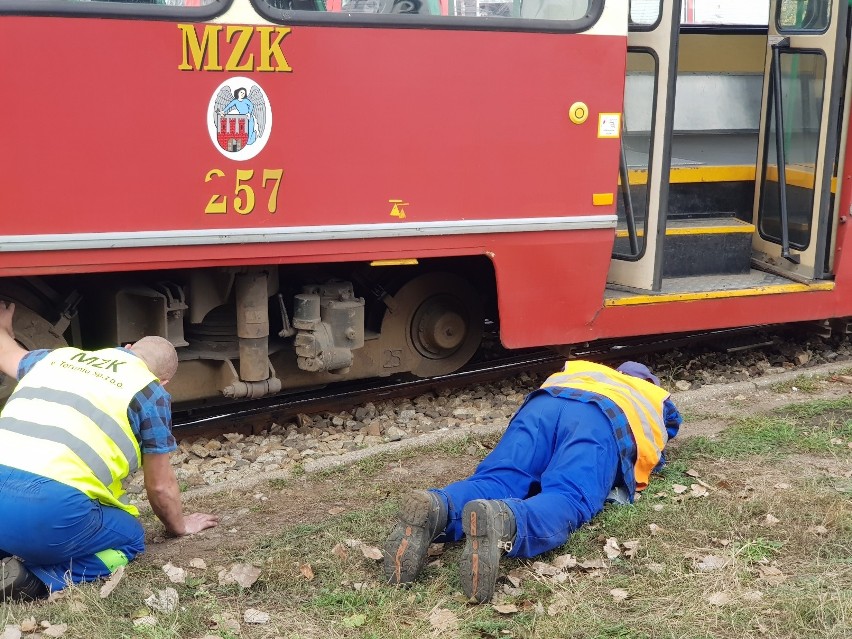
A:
[578, 112]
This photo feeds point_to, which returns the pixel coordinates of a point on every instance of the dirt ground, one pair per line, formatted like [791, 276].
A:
[250, 514]
[304, 500]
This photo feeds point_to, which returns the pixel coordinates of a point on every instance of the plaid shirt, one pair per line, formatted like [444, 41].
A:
[621, 430]
[150, 410]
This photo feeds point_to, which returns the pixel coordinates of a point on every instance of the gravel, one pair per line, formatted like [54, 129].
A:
[311, 441]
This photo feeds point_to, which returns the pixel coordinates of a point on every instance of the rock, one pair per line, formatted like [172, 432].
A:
[255, 616]
[55, 630]
[374, 429]
[195, 480]
[802, 357]
[164, 600]
[199, 450]
[683, 385]
[11, 632]
[394, 434]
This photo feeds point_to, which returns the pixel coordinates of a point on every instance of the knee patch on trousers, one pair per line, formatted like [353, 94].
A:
[112, 559]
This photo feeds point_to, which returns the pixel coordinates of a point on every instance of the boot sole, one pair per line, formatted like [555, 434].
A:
[480, 560]
[407, 546]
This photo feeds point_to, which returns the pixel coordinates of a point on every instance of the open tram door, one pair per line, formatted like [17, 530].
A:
[646, 144]
[799, 136]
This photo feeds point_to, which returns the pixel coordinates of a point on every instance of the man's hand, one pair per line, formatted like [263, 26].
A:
[6, 313]
[196, 522]
[11, 352]
[164, 497]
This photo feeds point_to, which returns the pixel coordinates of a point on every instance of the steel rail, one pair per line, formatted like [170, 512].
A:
[256, 415]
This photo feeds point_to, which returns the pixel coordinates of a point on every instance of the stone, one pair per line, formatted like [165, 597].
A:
[394, 434]
[374, 429]
[802, 357]
[200, 450]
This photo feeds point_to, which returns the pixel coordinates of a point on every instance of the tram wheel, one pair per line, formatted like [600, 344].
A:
[31, 331]
[439, 318]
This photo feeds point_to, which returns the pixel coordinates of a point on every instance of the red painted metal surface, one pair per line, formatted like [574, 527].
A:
[111, 136]
[104, 132]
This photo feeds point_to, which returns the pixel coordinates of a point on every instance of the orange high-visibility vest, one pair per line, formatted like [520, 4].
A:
[640, 401]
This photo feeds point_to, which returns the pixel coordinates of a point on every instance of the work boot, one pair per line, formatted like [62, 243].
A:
[422, 516]
[489, 528]
[18, 583]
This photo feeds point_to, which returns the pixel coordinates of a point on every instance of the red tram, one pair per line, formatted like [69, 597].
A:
[297, 192]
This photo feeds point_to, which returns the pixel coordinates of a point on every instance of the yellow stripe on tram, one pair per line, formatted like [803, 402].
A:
[711, 295]
[711, 230]
[697, 230]
[801, 176]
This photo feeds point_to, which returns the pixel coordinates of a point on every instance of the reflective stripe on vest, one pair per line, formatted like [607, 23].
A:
[640, 401]
[67, 420]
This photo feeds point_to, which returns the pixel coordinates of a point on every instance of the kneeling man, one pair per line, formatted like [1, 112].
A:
[77, 424]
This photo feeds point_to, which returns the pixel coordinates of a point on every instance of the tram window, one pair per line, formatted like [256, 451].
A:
[645, 13]
[167, 3]
[802, 87]
[527, 9]
[803, 15]
[725, 12]
[638, 133]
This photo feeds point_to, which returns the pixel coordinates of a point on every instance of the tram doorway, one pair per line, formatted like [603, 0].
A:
[728, 184]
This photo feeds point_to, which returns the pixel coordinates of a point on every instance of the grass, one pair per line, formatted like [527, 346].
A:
[807, 384]
[775, 516]
[810, 427]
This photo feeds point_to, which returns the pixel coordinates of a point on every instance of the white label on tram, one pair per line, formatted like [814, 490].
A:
[609, 125]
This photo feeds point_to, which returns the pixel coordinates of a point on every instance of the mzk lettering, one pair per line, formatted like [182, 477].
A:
[88, 364]
[232, 48]
[98, 362]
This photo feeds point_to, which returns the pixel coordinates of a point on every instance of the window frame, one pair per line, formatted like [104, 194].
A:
[98, 9]
[408, 21]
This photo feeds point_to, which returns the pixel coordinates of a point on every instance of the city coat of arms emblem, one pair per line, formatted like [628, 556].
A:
[239, 118]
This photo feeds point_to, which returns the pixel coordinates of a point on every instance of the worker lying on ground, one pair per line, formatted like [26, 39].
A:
[76, 425]
[589, 434]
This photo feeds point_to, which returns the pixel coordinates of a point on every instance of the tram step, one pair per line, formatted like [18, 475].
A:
[707, 246]
[718, 245]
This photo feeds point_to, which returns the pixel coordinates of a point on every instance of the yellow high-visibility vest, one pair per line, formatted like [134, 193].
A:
[67, 420]
[641, 402]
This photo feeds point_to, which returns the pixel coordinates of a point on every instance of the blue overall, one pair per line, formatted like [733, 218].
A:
[62, 535]
[554, 467]
[59, 545]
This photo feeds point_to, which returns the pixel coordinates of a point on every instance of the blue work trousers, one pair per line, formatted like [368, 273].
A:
[554, 467]
[58, 532]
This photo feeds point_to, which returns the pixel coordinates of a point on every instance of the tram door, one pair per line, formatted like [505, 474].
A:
[803, 87]
[646, 156]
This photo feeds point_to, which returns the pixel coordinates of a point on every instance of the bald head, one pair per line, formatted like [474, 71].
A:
[159, 356]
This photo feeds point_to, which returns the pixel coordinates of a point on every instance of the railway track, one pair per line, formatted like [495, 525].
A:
[255, 416]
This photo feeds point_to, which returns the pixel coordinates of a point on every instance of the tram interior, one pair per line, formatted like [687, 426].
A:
[709, 216]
